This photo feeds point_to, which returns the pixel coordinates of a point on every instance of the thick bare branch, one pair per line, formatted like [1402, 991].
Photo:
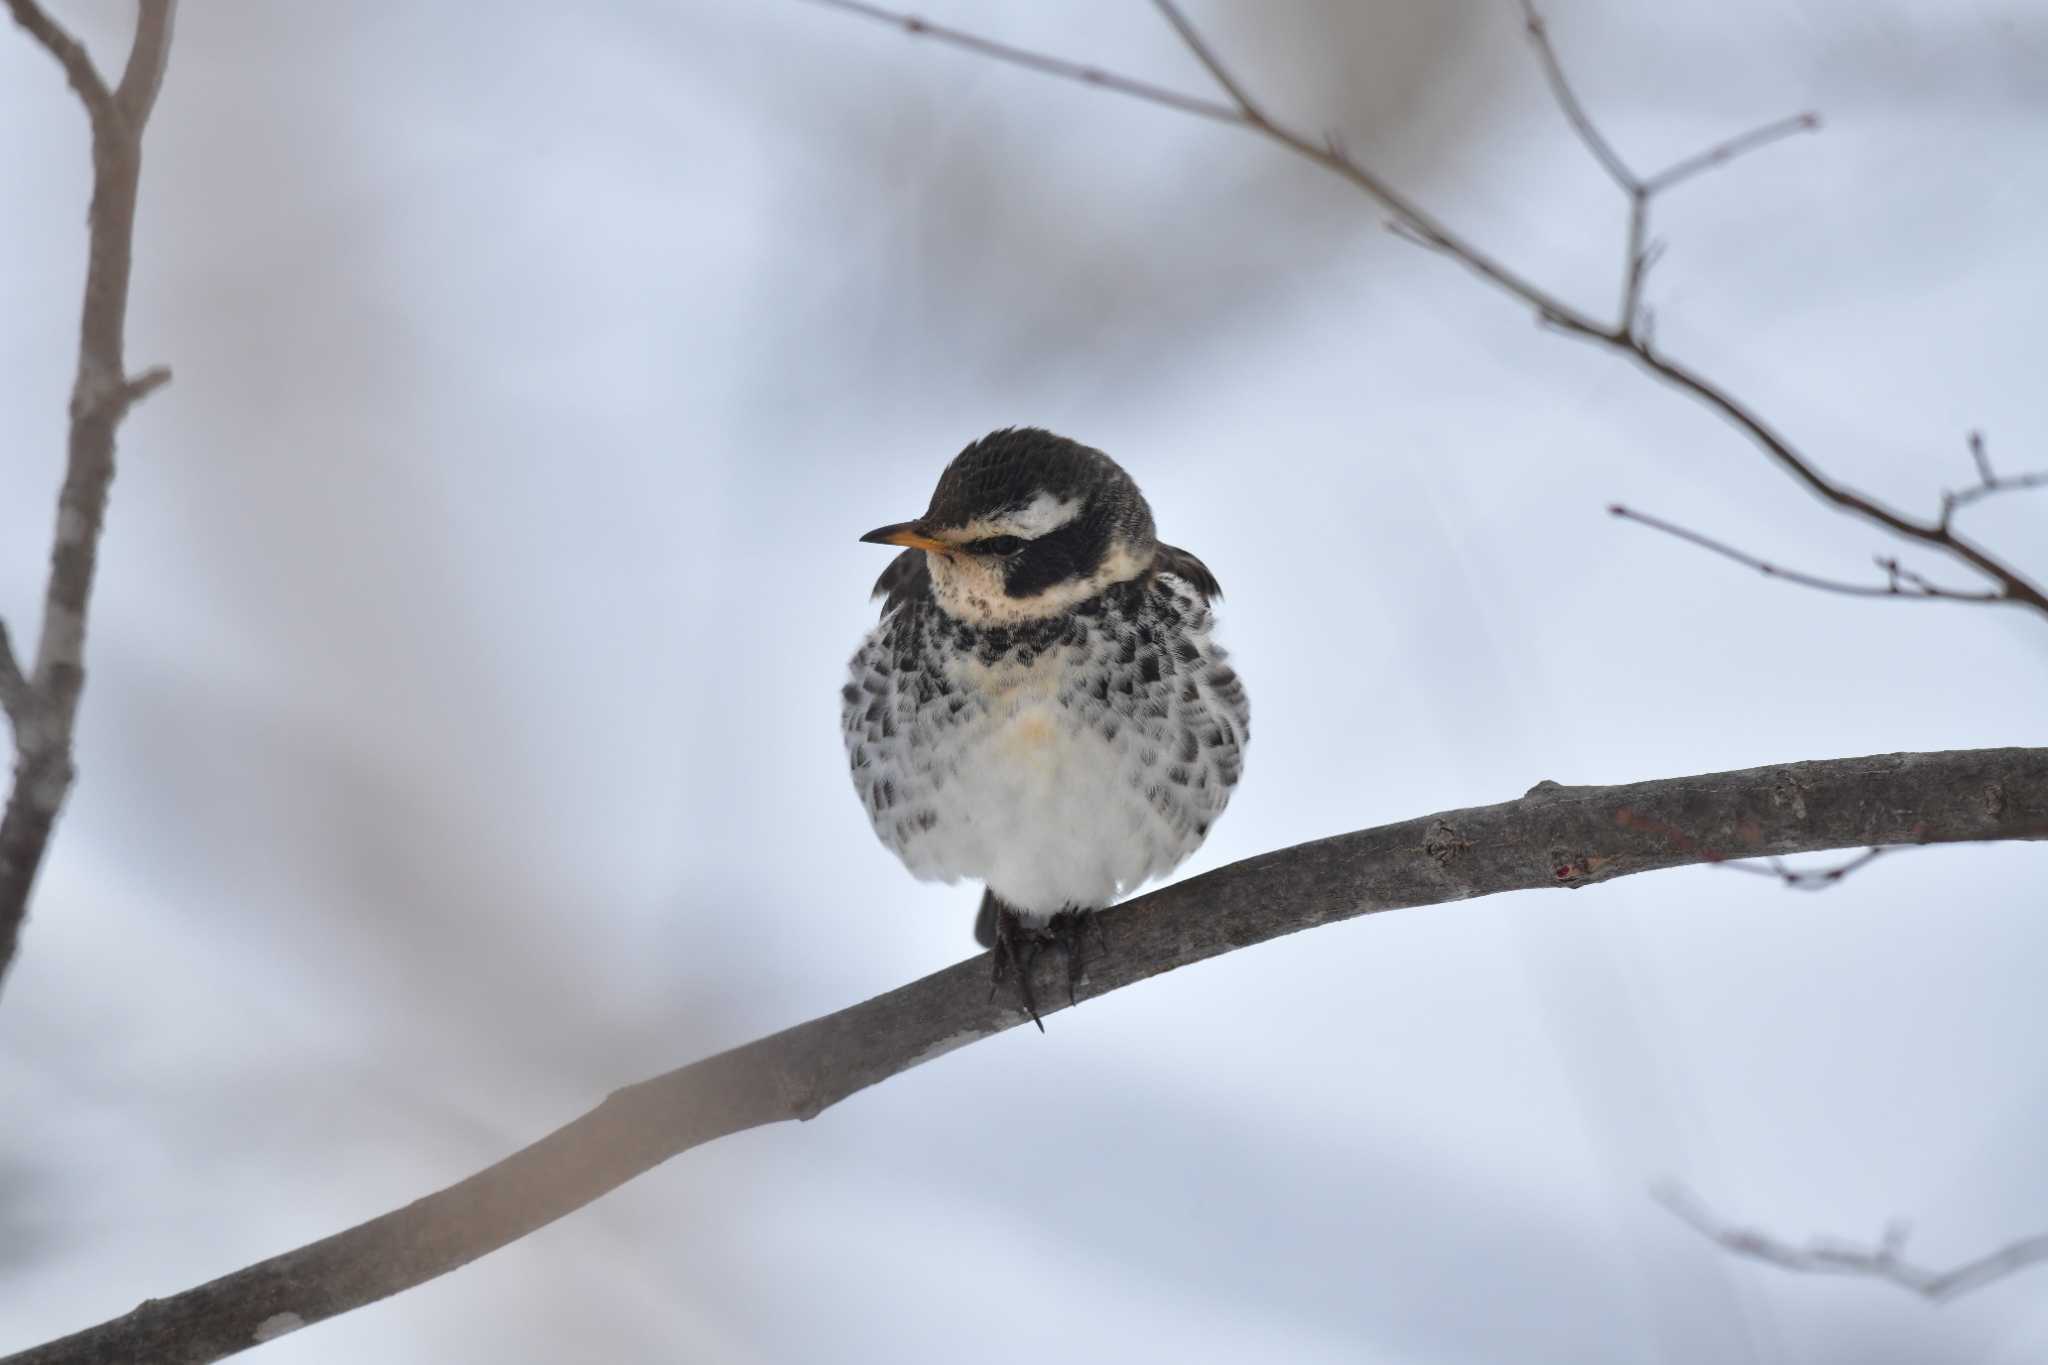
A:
[101, 396]
[1554, 836]
[1884, 1261]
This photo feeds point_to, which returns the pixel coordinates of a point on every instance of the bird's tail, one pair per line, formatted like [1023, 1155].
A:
[985, 920]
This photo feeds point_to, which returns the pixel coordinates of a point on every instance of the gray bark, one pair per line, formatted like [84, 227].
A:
[42, 701]
[1553, 837]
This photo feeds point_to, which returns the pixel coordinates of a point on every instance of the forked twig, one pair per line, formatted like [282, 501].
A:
[1987, 483]
[1884, 1261]
[41, 699]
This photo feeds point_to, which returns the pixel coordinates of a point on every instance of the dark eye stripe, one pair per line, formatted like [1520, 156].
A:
[995, 545]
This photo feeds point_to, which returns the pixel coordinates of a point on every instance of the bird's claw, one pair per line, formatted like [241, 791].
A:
[1018, 945]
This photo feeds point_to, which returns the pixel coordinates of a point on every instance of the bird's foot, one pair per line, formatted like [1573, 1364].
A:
[1017, 946]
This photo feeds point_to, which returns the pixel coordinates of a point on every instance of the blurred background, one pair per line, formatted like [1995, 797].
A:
[462, 735]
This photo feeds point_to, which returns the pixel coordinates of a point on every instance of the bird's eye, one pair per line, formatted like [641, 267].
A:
[1004, 546]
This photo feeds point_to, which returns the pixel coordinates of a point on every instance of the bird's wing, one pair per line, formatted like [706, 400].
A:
[904, 580]
[1184, 566]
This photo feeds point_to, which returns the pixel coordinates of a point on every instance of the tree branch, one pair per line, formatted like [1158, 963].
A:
[1554, 836]
[45, 705]
[919, 27]
[1881, 1262]
[1988, 483]
[1902, 582]
[1628, 335]
[15, 696]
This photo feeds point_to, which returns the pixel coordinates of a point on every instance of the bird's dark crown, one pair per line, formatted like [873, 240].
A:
[1005, 471]
[1010, 481]
[1025, 524]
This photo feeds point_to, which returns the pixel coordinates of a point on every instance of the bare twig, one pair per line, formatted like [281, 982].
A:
[1213, 64]
[2012, 586]
[1883, 1261]
[1555, 836]
[1721, 153]
[45, 705]
[70, 54]
[1902, 582]
[15, 695]
[1987, 483]
[148, 55]
[1810, 878]
[1575, 113]
[1628, 335]
[1038, 61]
[1330, 156]
[1640, 254]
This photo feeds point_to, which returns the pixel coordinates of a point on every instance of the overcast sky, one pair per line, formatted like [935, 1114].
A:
[462, 733]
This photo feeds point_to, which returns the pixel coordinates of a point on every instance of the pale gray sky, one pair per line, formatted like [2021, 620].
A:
[462, 733]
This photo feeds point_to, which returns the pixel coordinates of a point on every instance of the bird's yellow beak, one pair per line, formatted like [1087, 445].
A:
[907, 534]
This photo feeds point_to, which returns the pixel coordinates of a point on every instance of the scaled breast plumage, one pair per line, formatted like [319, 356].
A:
[1064, 760]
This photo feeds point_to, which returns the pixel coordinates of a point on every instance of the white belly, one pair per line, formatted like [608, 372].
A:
[1045, 810]
[1062, 782]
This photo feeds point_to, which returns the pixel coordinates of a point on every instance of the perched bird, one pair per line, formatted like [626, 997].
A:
[1041, 707]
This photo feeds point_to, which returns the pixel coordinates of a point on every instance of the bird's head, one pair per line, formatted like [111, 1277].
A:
[1025, 525]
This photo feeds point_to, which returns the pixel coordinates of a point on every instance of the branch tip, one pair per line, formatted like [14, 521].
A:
[1885, 1260]
[70, 54]
[145, 384]
[14, 686]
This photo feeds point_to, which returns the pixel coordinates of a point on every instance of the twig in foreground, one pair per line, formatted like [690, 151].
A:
[42, 701]
[1884, 1261]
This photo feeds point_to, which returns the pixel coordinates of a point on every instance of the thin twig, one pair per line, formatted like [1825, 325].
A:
[70, 54]
[1721, 153]
[1809, 878]
[1902, 584]
[150, 53]
[1987, 483]
[1884, 1261]
[101, 395]
[1555, 836]
[1040, 62]
[1206, 55]
[1639, 254]
[1331, 157]
[1629, 334]
[14, 689]
[1575, 113]
[2013, 587]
